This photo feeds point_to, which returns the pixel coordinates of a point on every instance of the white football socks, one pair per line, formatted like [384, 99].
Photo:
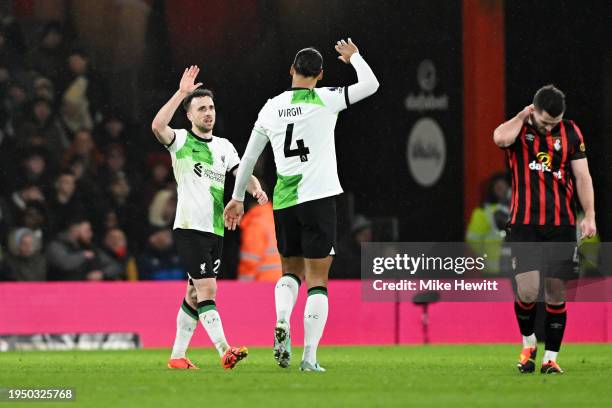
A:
[530, 341]
[186, 323]
[212, 323]
[315, 316]
[285, 296]
[549, 356]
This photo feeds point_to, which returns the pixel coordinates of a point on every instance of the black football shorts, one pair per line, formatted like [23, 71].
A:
[200, 252]
[307, 229]
[551, 250]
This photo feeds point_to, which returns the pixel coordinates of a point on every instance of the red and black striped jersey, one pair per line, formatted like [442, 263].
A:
[542, 181]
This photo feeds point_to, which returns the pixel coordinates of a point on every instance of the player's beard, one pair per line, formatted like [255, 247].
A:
[204, 128]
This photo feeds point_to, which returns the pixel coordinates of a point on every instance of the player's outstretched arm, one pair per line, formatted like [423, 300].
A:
[160, 127]
[367, 83]
[506, 133]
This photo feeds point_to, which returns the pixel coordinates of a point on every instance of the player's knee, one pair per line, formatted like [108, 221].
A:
[527, 294]
[206, 289]
[192, 300]
[555, 297]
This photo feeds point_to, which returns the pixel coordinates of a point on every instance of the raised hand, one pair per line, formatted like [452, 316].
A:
[526, 112]
[187, 85]
[346, 49]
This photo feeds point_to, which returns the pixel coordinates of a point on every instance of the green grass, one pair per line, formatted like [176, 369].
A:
[433, 376]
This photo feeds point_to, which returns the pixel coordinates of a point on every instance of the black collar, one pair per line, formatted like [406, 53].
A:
[201, 139]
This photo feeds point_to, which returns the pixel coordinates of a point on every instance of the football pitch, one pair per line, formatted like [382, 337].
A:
[419, 376]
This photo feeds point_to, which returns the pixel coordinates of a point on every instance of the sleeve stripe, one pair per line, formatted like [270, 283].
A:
[172, 142]
[578, 132]
[346, 97]
[233, 168]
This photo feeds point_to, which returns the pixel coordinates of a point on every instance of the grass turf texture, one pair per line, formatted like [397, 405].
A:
[432, 376]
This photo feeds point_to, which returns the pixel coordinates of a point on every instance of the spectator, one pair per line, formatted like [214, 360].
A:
[487, 227]
[25, 194]
[115, 248]
[64, 201]
[85, 149]
[128, 212]
[44, 89]
[259, 258]
[24, 261]
[75, 107]
[163, 208]
[49, 127]
[49, 56]
[159, 177]
[347, 264]
[84, 91]
[160, 260]
[72, 255]
[112, 131]
[113, 165]
[33, 168]
[35, 219]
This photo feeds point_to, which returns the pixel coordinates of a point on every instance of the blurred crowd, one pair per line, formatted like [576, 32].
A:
[83, 195]
[80, 199]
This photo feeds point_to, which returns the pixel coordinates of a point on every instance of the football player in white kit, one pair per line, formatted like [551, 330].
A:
[299, 123]
[200, 162]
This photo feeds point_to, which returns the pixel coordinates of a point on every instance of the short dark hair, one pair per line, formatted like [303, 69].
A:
[198, 93]
[308, 62]
[551, 99]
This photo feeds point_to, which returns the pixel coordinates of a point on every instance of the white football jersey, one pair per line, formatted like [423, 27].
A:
[300, 125]
[200, 167]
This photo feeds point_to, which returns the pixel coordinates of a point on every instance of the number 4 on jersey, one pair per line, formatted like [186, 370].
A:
[301, 150]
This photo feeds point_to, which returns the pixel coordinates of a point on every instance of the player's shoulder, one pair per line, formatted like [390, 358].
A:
[572, 129]
[221, 141]
[179, 137]
[180, 131]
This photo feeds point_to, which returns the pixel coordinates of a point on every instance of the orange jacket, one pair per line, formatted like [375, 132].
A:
[259, 258]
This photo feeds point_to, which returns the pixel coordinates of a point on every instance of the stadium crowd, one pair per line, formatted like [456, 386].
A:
[75, 201]
[81, 196]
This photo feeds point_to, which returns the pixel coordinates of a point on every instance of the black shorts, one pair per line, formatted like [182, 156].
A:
[200, 252]
[551, 250]
[307, 229]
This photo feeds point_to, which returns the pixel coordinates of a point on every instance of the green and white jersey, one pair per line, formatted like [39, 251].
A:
[300, 125]
[200, 167]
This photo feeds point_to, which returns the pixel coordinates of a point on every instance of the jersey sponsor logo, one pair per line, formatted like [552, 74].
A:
[197, 169]
[208, 173]
[544, 158]
[543, 165]
[290, 112]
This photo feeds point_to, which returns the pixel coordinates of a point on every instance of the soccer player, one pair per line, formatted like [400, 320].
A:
[299, 123]
[546, 153]
[200, 161]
